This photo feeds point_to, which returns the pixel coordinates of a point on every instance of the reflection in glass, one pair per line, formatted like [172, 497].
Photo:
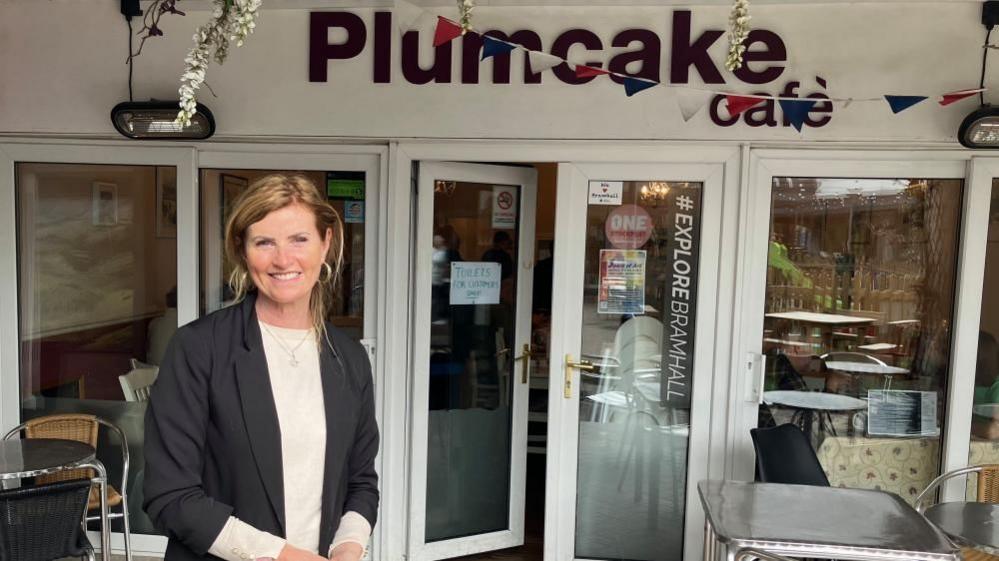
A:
[220, 188]
[859, 303]
[472, 320]
[634, 409]
[985, 411]
[97, 255]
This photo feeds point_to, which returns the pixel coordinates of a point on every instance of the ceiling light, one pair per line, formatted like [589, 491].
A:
[145, 120]
[980, 129]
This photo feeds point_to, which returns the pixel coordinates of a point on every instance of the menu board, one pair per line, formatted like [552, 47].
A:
[901, 413]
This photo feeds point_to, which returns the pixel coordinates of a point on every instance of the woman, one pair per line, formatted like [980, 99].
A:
[260, 432]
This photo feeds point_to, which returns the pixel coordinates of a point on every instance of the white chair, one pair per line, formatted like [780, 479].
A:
[138, 382]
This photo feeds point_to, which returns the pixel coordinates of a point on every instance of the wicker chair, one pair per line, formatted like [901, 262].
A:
[83, 428]
[988, 492]
[42, 522]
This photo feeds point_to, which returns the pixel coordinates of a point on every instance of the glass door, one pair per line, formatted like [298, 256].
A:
[849, 310]
[636, 266]
[475, 238]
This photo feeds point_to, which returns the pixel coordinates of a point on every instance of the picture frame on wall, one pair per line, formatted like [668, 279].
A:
[104, 203]
[230, 188]
[166, 203]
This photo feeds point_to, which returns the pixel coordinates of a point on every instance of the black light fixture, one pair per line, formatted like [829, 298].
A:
[980, 129]
[151, 120]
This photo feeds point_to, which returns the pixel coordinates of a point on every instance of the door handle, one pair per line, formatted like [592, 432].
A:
[526, 364]
[570, 364]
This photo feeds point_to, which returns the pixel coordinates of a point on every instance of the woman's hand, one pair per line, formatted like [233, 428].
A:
[292, 553]
[348, 551]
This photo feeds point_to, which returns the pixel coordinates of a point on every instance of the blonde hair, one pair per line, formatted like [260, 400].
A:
[275, 192]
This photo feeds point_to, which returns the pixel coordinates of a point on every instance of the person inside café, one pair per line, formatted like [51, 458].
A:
[986, 387]
[260, 430]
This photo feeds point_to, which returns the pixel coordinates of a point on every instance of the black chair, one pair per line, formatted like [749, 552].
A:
[44, 522]
[784, 455]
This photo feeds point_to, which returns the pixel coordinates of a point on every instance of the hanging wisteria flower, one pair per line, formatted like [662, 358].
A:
[232, 20]
[466, 7]
[738, 30]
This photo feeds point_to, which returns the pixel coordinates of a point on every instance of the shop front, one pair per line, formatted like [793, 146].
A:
[577, 300]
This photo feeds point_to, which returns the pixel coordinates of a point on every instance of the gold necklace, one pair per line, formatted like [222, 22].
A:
[290, 351]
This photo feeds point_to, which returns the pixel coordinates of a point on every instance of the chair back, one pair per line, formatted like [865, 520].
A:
[74, 426]
[988, 484]
[784, 455]
[42, 522]
[138, 382]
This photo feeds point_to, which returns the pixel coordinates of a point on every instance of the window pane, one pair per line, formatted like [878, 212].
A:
[857, 330]
[985, 411]
[97, 254]
[345, 191]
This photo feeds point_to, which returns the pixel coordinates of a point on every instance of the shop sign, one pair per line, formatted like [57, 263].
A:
[622, 282]
[504, 207]
[628, 227]
[345, 185]
[474, 282]
[681, 261]
[685, 57]
[606, 192]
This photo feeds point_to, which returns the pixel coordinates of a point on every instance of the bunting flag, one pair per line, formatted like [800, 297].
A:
[447, 30]
[796, 111]
[736, 104]
[634, 85]
[951, 97]
[406, 14]
[899, 103]
[589, 71]
[541, 61]
[691, 101]
[492, 47]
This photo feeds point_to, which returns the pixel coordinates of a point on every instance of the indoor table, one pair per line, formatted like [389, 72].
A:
[816, 522]
[974, 525]
[807, 403]
[825, 322]
[31, 457]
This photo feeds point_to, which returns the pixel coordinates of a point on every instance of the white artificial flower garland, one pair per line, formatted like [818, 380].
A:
[465, 7]
[738, 22]
[232, 20]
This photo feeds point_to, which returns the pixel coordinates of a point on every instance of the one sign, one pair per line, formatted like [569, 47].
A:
[606, 192]
[504, 207]
[622, 282]
[475, 283]
[679, 316]
[345, 185]
[353, 212]
[901, 413]
[628, 227]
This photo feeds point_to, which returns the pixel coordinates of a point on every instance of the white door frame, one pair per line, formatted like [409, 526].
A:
[763, 165]
[404, 154]
[573, 178]
[526, 179]
[113, 153]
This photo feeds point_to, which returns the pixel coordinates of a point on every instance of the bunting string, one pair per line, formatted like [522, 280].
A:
[690, 98]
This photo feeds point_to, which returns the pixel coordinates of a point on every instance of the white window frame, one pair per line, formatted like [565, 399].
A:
[764, 164]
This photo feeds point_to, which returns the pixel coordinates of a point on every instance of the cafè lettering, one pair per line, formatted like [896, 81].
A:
[765, 58]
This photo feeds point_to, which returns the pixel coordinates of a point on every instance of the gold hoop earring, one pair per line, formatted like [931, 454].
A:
[328, 269]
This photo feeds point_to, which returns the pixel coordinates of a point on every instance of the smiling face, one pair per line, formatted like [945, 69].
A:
[284, 257]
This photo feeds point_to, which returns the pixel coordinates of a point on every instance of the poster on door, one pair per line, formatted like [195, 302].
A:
[680, 261]
[504, 207]
[622, 282]
[474, 282]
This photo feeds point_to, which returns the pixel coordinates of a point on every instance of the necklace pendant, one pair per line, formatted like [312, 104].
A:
[293, 361]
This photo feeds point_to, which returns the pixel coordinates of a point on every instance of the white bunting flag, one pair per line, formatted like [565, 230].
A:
[406, 15]
[541, 61]
[691, 101]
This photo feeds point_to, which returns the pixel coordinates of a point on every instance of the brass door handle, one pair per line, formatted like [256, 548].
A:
[526, 364]
[570, 364]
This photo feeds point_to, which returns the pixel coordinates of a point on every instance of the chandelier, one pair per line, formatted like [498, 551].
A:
[444, 187]
[654, 192]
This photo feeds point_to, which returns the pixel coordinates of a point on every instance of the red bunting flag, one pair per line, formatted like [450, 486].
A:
[447, 30]
[951, 97]
[736, 104]
[589, 71]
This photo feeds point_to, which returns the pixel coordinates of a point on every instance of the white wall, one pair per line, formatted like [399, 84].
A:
[63, 69]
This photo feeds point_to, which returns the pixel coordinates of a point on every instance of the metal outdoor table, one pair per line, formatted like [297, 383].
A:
[20, 458]
[975, 525]
[816, 522]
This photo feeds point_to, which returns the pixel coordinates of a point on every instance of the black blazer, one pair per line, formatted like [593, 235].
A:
[213, 443]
